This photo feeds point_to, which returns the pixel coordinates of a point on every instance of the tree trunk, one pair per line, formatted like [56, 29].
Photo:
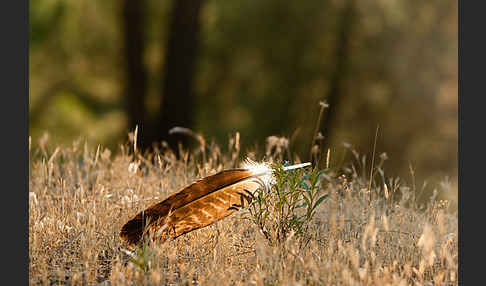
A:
[177, 86]
[136, 78]
[341, 68]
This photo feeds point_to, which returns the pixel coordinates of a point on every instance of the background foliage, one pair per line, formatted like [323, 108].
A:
[261, 69]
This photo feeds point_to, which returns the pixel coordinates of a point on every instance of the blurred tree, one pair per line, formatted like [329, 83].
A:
[135, 75]
[342, 50]
[180, 59]
[177, 104]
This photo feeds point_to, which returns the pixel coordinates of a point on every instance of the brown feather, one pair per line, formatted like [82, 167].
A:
[198, 205]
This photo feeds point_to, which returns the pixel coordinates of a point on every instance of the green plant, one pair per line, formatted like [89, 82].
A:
[287, 205]
[142, 257]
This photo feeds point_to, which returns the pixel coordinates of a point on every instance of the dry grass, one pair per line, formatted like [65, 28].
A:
[80, 198]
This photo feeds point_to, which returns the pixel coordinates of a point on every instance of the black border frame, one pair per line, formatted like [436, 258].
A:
[471, 85]
[14, 25]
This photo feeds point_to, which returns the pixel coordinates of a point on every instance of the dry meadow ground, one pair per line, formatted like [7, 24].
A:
[80, 197]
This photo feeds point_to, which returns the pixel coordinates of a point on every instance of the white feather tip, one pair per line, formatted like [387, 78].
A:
[263, 168]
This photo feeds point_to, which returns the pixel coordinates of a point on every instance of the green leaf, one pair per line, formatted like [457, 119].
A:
[304, 185]
[320, 200]
[307, 176]
[307, 201]
[299, 206]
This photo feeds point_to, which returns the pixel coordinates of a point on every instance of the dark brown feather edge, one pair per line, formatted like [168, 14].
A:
[132, 232]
